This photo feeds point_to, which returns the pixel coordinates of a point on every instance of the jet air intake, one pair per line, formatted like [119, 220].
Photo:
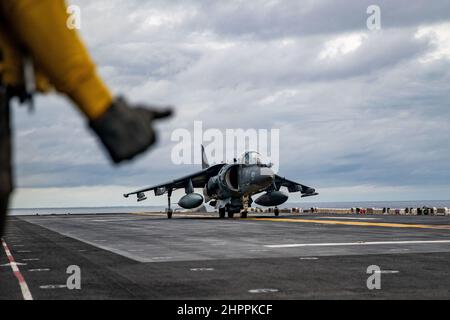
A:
[232, 178]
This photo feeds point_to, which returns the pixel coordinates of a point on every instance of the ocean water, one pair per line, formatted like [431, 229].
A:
[355, 204]
[95, 210]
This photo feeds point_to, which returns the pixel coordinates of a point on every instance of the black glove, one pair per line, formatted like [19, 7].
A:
[127, 131]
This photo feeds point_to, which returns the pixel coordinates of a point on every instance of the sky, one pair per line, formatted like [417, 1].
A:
[362, 114]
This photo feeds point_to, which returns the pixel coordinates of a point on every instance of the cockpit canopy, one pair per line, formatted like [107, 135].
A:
[251, 157]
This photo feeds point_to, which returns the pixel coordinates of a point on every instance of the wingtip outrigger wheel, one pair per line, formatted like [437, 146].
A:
[169, 209]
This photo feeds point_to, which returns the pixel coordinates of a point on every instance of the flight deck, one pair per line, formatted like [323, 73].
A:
[199, 256]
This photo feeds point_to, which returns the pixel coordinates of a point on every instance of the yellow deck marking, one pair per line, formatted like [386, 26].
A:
[163, 214]
[332, 222]
[357, 223]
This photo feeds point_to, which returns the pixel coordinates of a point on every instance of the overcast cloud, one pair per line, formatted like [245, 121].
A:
[362, 115]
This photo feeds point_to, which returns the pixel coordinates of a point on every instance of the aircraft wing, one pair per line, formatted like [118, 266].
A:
[199, 179]
[295, 187]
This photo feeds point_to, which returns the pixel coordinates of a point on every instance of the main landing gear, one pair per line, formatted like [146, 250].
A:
[236, 207]
[222, 212]
[226, 210]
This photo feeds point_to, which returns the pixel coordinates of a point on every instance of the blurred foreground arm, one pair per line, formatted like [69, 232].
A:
[40, 28]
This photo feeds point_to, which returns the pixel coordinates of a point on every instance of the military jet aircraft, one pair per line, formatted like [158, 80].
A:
[229, 187]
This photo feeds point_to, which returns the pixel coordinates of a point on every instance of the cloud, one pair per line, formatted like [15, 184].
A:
[439, 37]
[354, 108]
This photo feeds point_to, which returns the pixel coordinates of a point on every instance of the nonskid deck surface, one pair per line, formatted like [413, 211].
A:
[192, 256]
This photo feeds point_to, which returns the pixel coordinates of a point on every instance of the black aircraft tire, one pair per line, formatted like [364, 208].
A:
[230, 215]
[243, 214]
[221, 213]
[276, 212]
[169, 214]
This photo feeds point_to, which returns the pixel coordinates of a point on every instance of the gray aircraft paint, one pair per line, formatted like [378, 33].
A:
[227, 186]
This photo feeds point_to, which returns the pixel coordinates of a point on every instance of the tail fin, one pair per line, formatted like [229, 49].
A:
[205, 163]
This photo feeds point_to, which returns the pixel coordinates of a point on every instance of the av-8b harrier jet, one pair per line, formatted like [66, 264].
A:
[229, 187]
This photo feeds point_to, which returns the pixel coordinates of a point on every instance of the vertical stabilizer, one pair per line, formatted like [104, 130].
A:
[205, 163]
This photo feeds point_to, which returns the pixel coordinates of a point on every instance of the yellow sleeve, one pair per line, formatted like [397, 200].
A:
[40, 26]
